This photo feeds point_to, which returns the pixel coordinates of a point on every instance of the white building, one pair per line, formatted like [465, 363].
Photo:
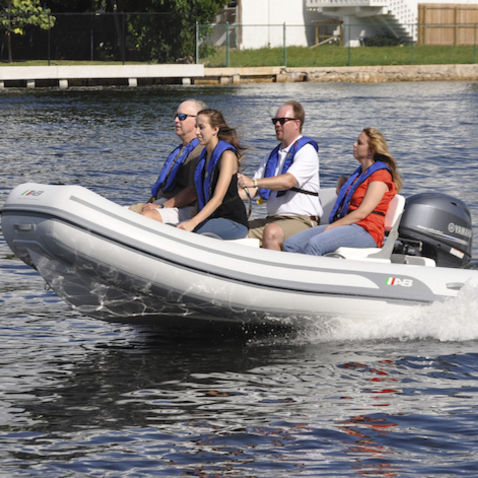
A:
[268, 18]
[307, 22]
[368, 18]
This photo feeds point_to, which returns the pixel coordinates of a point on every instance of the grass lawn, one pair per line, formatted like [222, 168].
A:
[324, 55]
[334, 55]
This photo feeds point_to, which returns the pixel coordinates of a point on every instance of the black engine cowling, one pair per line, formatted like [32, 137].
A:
[437, 226]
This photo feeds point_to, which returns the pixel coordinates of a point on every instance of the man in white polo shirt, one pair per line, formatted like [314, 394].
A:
[288, 180]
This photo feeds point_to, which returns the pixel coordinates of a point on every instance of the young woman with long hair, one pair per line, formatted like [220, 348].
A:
[221, 212]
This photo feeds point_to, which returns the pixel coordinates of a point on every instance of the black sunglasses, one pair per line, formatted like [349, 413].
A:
[183, 116]
[282, 121]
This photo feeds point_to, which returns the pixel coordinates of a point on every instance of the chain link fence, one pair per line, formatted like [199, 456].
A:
[333, 43]
[105, 37]
[77, 37]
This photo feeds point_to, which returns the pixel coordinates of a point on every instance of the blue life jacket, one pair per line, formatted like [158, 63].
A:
[203, 179]
[167, 176]
[346, 192]
[271, 166]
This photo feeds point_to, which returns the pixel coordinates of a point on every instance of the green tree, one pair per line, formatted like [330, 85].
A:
[16, 15]
[169, 32]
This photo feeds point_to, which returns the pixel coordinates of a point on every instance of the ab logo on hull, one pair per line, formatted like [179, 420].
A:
[398, 281]
[31, 192]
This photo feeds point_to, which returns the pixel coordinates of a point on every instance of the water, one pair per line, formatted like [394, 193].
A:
[81, 397]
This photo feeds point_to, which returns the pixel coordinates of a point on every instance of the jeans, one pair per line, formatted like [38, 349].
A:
[316, 242]
[224, 228]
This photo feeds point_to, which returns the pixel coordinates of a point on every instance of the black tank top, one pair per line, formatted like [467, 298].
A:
[232, 206]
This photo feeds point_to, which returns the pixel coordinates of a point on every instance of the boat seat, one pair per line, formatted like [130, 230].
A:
[327, 197]
[247, 241]
[384, 253]
[415, 260]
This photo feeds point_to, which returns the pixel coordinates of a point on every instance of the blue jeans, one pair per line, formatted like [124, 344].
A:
[224, 228]
[316, 242]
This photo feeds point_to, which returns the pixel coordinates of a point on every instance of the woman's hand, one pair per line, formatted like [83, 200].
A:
[187, 225]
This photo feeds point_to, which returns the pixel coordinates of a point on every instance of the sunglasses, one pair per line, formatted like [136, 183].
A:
[282, 121]
[183, 116]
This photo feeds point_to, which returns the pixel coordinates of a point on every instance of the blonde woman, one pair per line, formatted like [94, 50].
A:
[358, 216]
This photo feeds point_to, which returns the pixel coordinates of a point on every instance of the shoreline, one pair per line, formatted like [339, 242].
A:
[168, 74]
[353, 74]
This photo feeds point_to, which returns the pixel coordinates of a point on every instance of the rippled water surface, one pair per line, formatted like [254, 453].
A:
[81, 397]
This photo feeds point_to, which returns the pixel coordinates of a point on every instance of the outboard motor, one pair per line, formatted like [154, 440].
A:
[437, 226]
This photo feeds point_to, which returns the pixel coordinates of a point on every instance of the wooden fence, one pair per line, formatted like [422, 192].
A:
[447, 24]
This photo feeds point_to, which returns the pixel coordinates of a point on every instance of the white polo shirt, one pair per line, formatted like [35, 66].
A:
[305, 169]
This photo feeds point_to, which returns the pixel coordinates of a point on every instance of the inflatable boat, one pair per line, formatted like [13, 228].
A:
[114, 264]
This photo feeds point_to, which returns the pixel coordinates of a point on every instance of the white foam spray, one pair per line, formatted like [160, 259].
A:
[455, 319]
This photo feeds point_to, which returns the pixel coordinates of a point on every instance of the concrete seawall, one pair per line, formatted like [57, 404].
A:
[138, 75]
[361, 74]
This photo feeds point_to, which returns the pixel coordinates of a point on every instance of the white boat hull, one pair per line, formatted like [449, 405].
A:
[111, 263]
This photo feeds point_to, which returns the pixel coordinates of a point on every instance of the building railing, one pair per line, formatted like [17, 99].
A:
[404, 14]
[318, 4]
[400, 8]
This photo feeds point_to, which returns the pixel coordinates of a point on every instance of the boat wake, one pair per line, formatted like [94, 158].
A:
[455, 319]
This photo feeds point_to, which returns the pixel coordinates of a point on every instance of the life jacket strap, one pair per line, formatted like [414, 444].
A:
[304, 191]
[379, 213]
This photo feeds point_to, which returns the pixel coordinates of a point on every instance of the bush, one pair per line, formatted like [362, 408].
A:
[381, 41]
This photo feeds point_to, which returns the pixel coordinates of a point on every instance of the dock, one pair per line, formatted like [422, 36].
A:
[62, 76]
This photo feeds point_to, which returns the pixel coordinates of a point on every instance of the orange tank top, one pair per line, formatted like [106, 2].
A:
[374, 223]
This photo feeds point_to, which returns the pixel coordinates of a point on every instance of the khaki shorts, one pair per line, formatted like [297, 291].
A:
[169, 215]
[289, 224]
